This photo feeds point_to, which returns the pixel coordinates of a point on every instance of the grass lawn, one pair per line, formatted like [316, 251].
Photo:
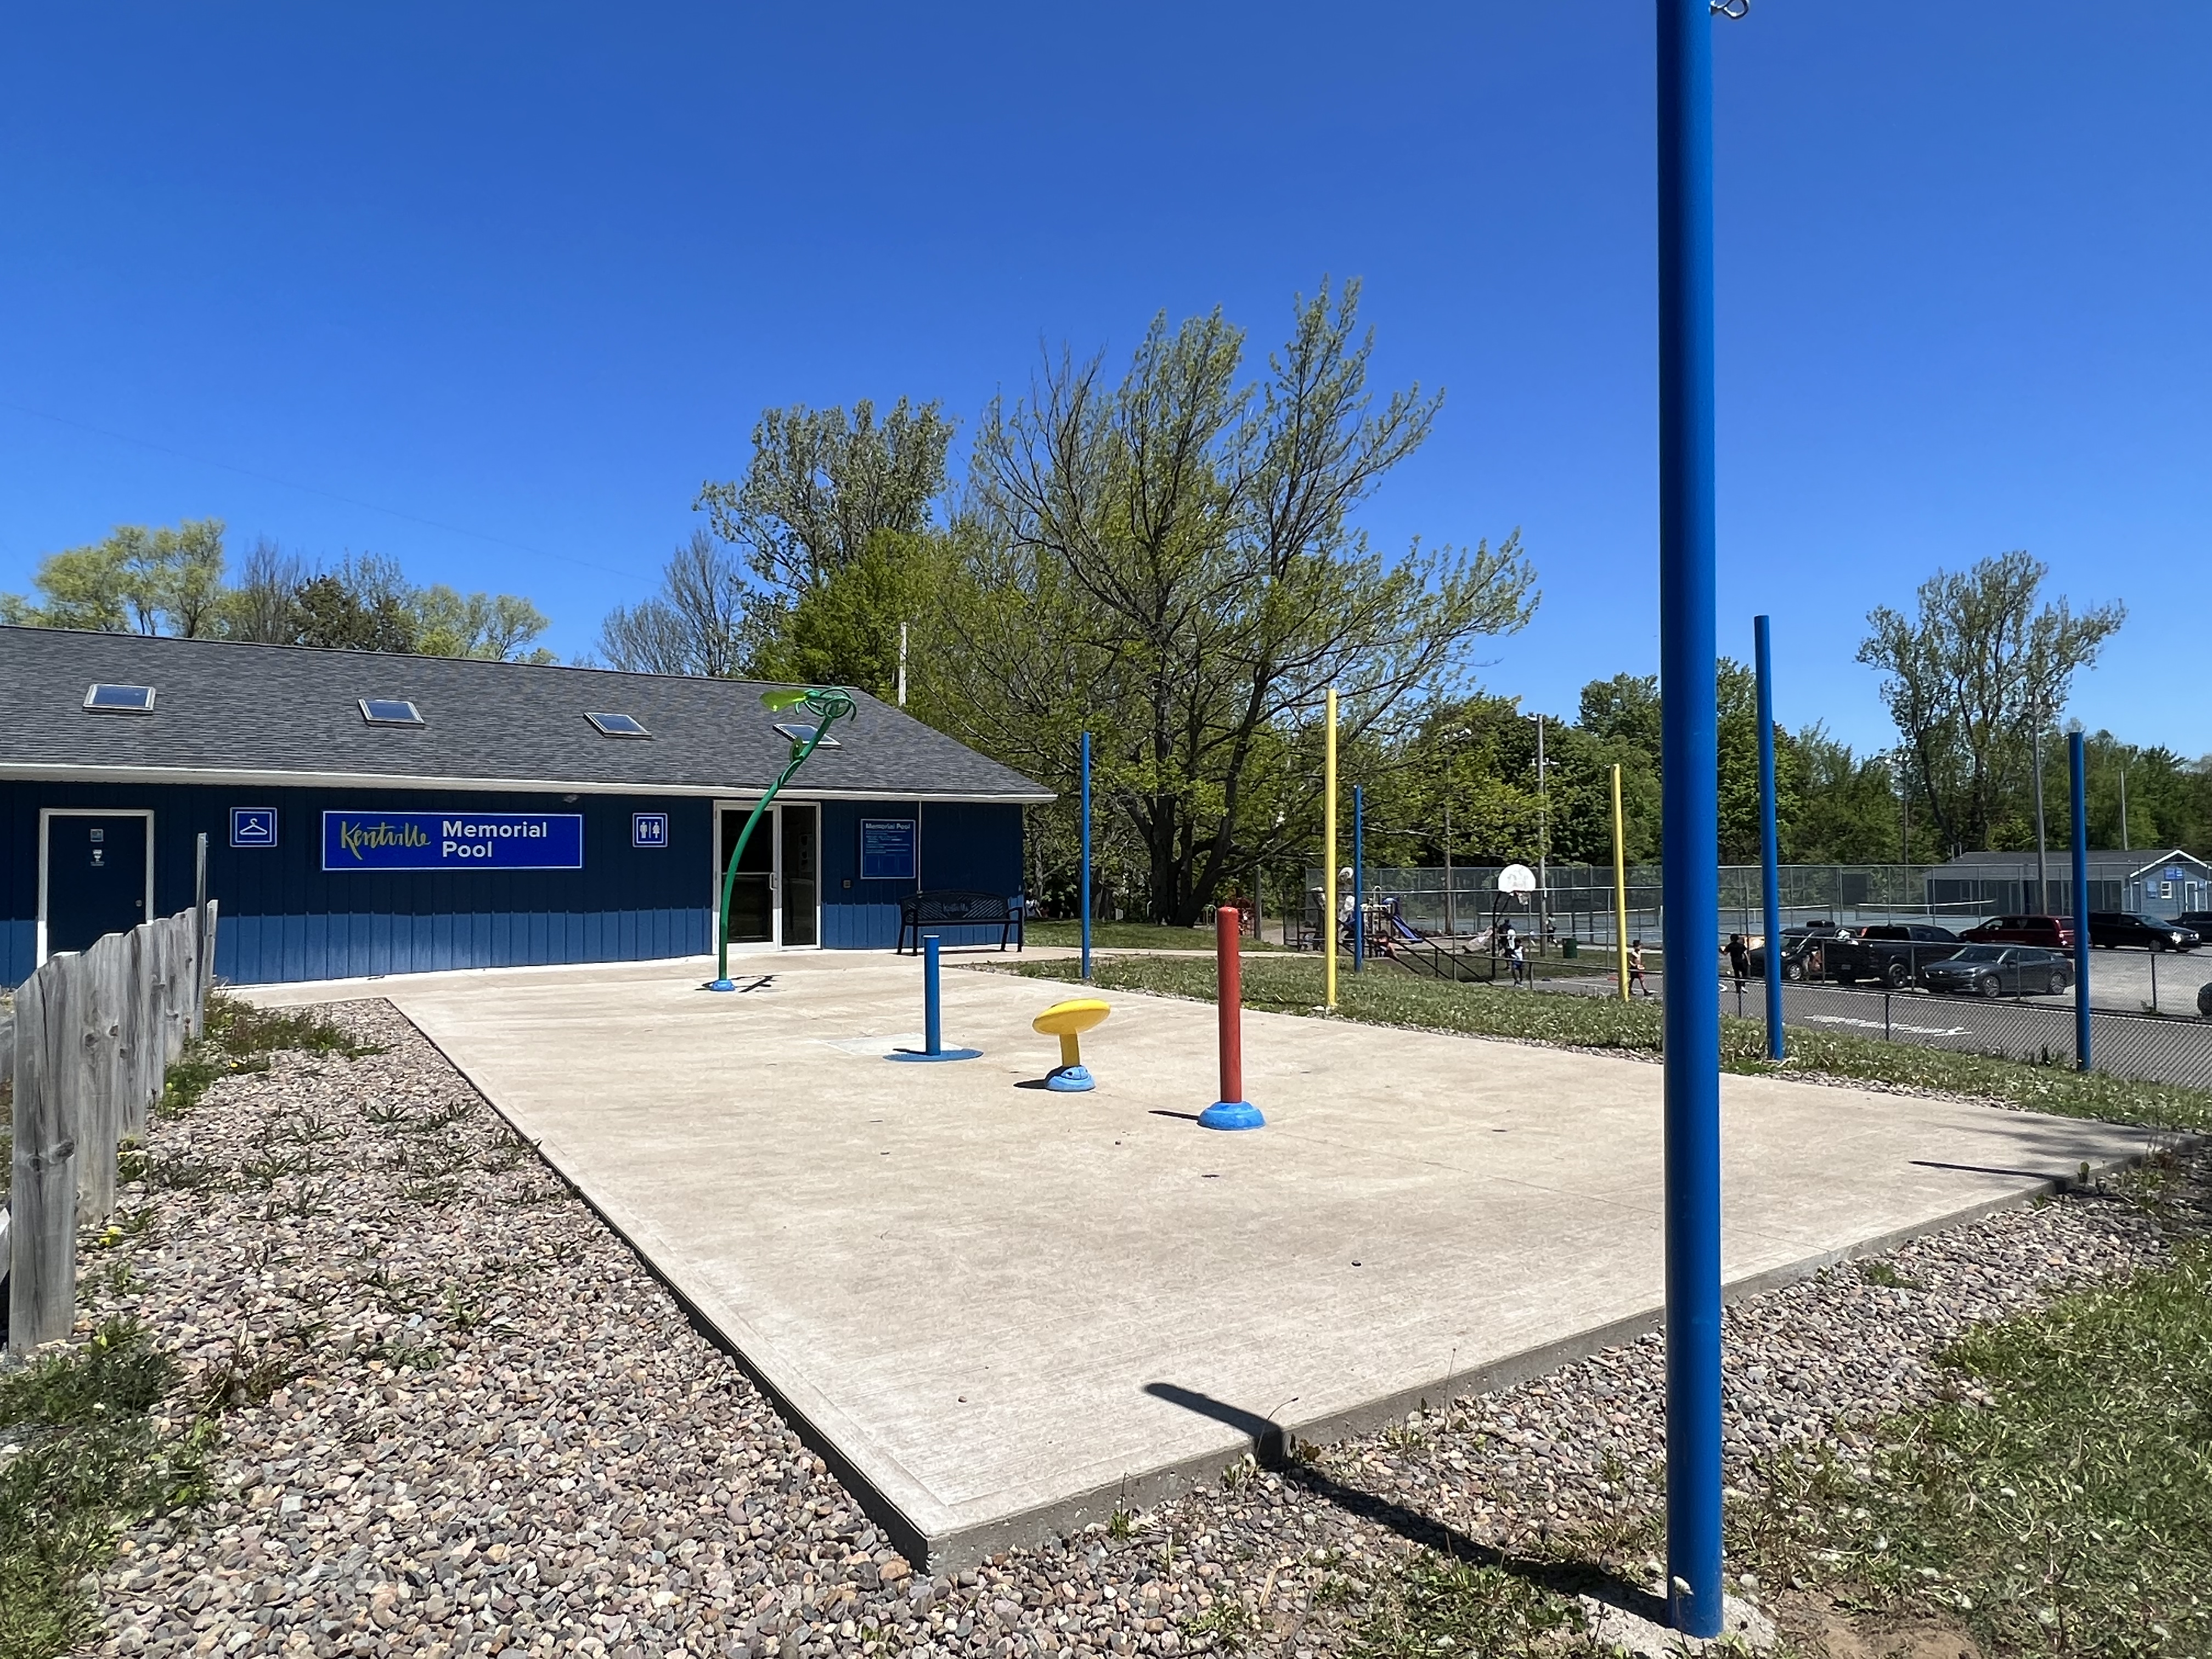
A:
[2060, 1501]
[1130, 936]
[1292, 985]
[81, 1455]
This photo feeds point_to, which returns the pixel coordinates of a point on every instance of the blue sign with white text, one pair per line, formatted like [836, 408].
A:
[252, 826]
[648, 829]
[887, 849]
[452, 841]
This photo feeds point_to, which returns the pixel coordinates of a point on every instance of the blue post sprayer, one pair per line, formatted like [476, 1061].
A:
[2081, 808]
[932, 1023]
[1690, 859]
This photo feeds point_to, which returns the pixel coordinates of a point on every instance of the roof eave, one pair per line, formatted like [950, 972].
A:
[311, 780]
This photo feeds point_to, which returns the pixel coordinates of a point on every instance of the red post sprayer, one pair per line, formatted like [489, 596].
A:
[1232, 1110]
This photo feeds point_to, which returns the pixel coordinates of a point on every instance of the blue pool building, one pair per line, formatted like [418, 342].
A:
[370, 813]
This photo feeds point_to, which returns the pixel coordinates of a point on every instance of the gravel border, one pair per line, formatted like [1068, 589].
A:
[466, 1418]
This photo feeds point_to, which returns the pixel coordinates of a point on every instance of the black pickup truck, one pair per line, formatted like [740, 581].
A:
[1893, 953]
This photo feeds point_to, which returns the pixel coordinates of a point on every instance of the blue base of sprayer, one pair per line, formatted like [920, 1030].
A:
[1069, 1080]
[942, 1054]
[720, 985]
[1231, 1115]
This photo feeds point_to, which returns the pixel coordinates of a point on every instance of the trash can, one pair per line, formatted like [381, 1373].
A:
[1571, 948]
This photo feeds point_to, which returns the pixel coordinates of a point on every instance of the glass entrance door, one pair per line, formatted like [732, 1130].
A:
[752, 896]
[801, 842]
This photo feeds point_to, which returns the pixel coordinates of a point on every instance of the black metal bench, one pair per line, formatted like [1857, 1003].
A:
[956, 908]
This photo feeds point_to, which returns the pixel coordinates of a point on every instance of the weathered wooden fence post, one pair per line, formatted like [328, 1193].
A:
[99, 1049]
[42, 1198]
[176, 986]
[140, 1035]
[203, 920]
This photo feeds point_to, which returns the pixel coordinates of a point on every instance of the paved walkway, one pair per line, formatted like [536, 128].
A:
[1001, 1310]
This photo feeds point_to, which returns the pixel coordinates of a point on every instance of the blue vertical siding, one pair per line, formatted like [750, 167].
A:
[957, 844]
[285, 918]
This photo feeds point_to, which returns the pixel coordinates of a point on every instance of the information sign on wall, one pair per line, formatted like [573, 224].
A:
[452, 841]
[648, 829]
[252, 826]
[887, 849]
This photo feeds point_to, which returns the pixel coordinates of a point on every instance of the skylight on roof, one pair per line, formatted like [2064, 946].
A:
[119, 699]
[799, 733]
[390, 711]
[618, 726]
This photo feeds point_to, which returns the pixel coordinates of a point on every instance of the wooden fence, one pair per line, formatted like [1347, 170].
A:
[94, 1035]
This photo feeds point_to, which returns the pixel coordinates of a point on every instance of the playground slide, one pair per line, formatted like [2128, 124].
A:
[1408, 930]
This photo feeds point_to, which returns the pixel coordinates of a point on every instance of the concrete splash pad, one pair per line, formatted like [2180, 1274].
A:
[1002, 1312]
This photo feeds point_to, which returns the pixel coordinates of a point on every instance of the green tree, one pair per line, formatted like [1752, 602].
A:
[844, 630]
[1170, 561]
[1972, 680]
[140, 578]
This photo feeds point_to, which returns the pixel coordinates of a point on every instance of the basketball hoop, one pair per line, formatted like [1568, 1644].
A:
[1516, 878]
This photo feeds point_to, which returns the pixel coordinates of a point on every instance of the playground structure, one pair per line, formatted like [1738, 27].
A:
[1379, 927]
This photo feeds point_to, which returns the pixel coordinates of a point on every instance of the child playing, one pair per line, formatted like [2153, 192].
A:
[1636, 968]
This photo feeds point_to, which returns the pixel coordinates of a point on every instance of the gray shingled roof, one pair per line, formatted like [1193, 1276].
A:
[228, 709]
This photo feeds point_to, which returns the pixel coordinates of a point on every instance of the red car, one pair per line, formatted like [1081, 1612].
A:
[2052, 933]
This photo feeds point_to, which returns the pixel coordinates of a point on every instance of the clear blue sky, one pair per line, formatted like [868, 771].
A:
[531, 273]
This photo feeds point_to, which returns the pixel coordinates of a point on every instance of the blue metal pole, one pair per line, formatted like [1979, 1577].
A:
[1086, 858]
[1358, 880]
[2079, 766]
[1690, 771]
[933, 1028]
[1770, 838]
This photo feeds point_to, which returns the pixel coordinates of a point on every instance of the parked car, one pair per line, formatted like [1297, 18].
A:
[1893, 952]
[1992, 970]
[1793, 939]
[2113, 930]
[2197, 922]
[2052, 933]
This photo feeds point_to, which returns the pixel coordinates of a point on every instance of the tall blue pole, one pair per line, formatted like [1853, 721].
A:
[1086, 858]
[1690, 773]
[1358, 879]
[2080, 900]
[1770, 838]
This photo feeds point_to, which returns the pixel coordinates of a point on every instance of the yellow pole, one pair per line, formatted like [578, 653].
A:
[1619, 887]
[1329, 856]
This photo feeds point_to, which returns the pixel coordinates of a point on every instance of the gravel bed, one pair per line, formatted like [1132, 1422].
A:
[464, 1419]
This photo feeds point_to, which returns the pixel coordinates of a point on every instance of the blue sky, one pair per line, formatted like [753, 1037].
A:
[512, 280]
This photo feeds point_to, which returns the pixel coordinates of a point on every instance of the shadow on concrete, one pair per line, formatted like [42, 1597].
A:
[1187, 1117]
[1274, 1446]
[2064, 1182]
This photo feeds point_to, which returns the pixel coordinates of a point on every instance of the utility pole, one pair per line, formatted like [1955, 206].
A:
[2125, 843]
[1450, 930]
[1904, 779]
[2042, 853]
